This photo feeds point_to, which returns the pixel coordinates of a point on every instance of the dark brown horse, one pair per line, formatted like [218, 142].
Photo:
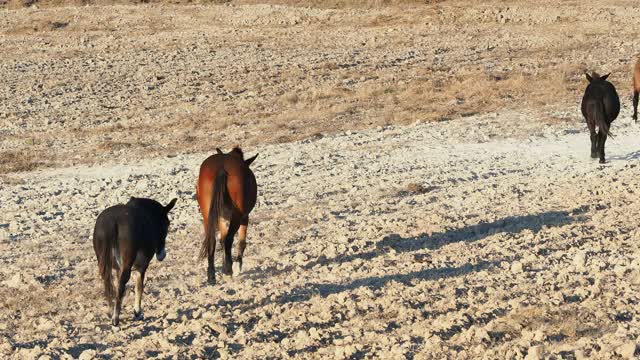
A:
[126, 237]
[600, 106]
[226, 193]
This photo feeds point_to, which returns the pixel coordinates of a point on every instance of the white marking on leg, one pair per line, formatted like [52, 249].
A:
[137, 305]
[116, 255]
[116, 313]
[137, 309]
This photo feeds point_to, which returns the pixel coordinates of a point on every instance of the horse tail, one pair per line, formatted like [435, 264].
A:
[219, 197]
[105, 236]
[600, 117]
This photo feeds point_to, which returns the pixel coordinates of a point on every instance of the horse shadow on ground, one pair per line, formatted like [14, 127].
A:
[379, 282]
[476, 232]
[634, 155]
[310, 290]
[470, 233]
[436, 240]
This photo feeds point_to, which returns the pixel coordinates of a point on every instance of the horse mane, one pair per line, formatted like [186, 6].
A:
[237, 151]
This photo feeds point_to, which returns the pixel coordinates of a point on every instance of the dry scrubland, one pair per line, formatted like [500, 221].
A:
[425, 185]
[95, 84]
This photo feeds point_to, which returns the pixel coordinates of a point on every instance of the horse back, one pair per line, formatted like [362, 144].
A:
[605, 92]
[241, 182]
[123, 228]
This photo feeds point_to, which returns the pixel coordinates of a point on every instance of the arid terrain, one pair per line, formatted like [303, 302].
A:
[425, 186]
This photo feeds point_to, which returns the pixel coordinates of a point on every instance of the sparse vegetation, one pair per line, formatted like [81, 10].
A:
[260, 75]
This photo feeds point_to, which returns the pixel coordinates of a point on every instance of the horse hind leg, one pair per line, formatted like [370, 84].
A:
[122, 282]
[242, 242]
[228, 245]
[211, 269]
[221, 234]
[635, 105]
[594, 142]
[602, 138]
[137, 309]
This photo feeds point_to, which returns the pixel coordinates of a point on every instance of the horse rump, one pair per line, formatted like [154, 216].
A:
[105, 235]
[219, 207]
[598, 115]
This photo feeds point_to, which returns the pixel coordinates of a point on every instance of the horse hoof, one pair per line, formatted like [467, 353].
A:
[211, 282]
[114, 322]
[602, 161]
[138, 315]
[594, 155]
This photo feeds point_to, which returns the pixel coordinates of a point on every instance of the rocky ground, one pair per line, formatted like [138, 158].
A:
[84, 85]
[424, 241]
[425, 186]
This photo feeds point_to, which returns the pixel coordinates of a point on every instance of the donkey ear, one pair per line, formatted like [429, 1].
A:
[588, 77]
[170, 205]
[604, 77]
[219, 151]
[250, 160]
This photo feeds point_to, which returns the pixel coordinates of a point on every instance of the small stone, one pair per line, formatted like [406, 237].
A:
[535, 353]
[45, 325]
[482, 335]
[516, 267]
[627, 350]
[87, 355]
[580, 260]
[16, 281]
[300, 259]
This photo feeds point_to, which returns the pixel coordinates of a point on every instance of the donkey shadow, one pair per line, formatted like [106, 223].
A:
[476, 232]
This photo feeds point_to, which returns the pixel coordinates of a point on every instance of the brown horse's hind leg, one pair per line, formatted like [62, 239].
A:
[242, 242]
[635, 105]
[228, 245]
[211, 269]
[137, 309]
[221, 235]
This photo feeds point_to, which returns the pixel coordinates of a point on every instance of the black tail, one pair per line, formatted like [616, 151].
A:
[219, 197]
[600, 117]
[105, 264]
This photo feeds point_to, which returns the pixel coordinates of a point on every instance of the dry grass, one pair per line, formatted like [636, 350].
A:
[555, 323]
[16, 161]
[341, 4]
[325, 4]
[256, 80]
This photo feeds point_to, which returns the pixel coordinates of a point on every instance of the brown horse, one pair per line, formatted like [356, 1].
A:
[636, 89]
[226, 193]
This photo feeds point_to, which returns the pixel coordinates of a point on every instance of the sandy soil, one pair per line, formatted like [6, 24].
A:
[380, 233]
[399, 242]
